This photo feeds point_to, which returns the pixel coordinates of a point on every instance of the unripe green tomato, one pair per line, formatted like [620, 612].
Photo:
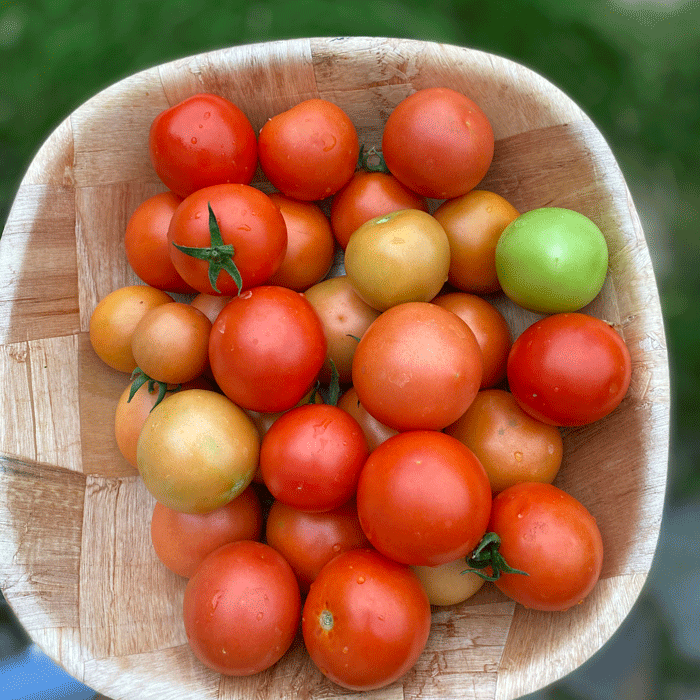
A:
[552, 260]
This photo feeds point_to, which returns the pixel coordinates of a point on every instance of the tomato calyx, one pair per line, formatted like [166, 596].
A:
[372, 160]
[219, 255]
[139, 378]
[332, 394]
[487, 556]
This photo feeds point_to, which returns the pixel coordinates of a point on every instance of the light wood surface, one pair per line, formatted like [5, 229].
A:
[76, 563]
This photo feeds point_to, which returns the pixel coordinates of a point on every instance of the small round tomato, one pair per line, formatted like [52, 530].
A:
[489, 327]
[242, 608]
[131, 414]
[171, 343]
[423, 498]
[345, 318]
[438, 142]
[146, 243]
[311, 457]
[203, 140]
[183, 540]
[366, 196]
[569, 369]
[309, 151]
[511, 445]
[310, 244]
[114, 319]
[375, 432]
[197, 451]
[548, 534]
[308, 541]
[266, 348]
[246, 219]
[366, 620]
[473, 223]
[398, 257]
[552, 260]
[417, 366]
[449, 583]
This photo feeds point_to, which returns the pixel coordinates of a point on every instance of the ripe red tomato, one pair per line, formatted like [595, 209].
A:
[418, 366]
[146, 243]
[183, 540]
[247, 219]
[242, 608]
[369, 194]
[489, 327]
[569, 369]
[308, 541]
[203, 140]
[423, 498]
[309, 151]
[311, 457]
[366, 620]
[551, 536]
[266, 348]
[438, 142]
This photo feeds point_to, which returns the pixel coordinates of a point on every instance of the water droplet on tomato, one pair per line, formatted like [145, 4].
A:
[194, 139]
[336, 547]
[207, 115]
[259, 616]
[345, 650]
[360, 579]
[518, 456]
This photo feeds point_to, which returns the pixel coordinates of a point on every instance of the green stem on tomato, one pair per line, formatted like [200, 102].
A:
[486, 555]
[139, 378]
[372, 160]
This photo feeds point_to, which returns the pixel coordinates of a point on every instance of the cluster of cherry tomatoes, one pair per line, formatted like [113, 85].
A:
[340, 452]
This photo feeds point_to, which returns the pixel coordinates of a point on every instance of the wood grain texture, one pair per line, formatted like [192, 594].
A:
[76, 562]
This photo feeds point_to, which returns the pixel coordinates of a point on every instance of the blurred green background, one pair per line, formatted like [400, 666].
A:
[633, 66]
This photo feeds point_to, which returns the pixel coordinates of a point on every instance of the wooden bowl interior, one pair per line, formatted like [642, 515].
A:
[76, 562]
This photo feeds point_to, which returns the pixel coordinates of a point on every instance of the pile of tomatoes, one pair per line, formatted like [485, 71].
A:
[339, 453]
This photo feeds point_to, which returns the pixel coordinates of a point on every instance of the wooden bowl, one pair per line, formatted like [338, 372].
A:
[76, 562]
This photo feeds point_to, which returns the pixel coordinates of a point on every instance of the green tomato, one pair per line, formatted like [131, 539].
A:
[551, 260]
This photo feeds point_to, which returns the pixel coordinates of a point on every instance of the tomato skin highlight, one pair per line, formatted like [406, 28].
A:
[366, 620]
[266, 348]
[242, 608]
[423, 498]
[569, 369]
[549, 534]
[203, 140]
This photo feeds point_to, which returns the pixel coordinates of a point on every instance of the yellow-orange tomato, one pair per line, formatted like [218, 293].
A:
[114, 319]
[345, 318]
[367, 195]
[448, 584]
[171, 343]
[183, 540]
[197, 451]
[511, 445]
[375, 432]
[210, 304]
[473, 224]
[130, 416]
[310, 244]
[490, 328]
[399, 257]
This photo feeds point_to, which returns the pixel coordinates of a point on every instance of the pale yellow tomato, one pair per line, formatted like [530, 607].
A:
[446, 584]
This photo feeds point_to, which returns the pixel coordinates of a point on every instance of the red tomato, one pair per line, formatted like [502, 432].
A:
[366, 620]
[183, 540]
[423, 498]
[242, 608]
[203, 140]
[308, 541]
[438, 142]
[368, 195]
[569, 369]
[418, 366]
[266, 348]
[146, 243]
[489, 327]
[311, 457]
[310, 244]
[551, 536]
[247, 219]
[310, 151]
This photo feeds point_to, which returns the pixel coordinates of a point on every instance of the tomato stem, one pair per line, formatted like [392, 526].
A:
[139, 378]
[372, 160]
[486, 555]
[219, 255]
